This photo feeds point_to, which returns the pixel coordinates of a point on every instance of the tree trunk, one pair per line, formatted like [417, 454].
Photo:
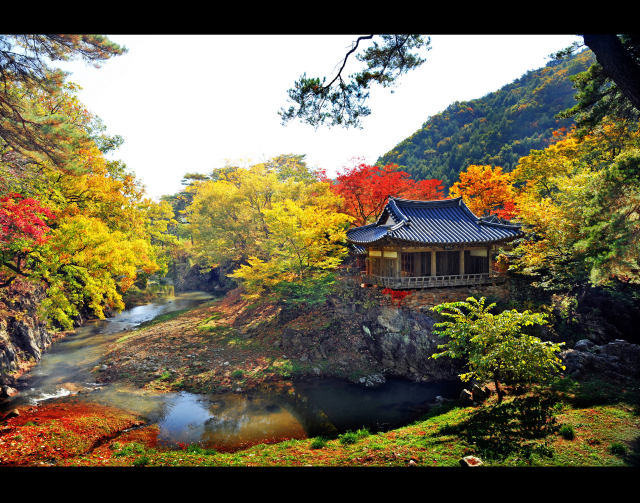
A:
[496, 380]
[618, 65]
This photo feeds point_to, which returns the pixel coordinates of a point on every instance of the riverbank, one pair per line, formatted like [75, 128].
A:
[592, 423]
[228, 345]
[231, 345]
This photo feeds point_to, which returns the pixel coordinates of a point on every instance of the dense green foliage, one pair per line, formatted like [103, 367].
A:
[496, 346]
[611, 86]
[496, 129]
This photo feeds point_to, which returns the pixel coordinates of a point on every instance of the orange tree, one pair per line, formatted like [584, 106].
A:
[486, 191]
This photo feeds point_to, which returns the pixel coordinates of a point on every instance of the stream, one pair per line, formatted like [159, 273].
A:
[291, 410]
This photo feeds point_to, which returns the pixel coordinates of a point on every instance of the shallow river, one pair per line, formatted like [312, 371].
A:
[227, 421]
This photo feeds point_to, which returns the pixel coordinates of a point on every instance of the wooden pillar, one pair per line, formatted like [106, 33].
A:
[399, 262]
[489, 260]
[417, 263]
[433, 263]
[462, 260]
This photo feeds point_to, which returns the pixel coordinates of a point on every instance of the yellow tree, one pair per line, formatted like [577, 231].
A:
[227, 215]
[580, 202]
[305, 244]
[101, 236]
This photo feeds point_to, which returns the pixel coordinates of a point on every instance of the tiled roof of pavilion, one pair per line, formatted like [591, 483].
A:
[442, 222]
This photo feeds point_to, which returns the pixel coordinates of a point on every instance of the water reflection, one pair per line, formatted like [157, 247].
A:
[72, 358]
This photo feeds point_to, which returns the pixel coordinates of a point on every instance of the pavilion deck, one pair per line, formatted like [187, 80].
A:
[408, 283]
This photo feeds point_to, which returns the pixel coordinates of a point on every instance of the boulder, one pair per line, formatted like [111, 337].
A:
[584, 345]
[8, 391]
[471, 461]
[617, 359]
[478, 394]
[466, 399]
[372, 380]
[12, 413]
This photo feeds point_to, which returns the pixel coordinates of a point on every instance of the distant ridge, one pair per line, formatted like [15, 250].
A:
[496, 129]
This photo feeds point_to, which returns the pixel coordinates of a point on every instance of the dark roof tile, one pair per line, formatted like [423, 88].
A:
[442, 222]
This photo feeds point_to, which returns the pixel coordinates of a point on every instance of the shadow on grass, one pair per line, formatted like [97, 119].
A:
[633, 455]
[597, 391]
[514, 427]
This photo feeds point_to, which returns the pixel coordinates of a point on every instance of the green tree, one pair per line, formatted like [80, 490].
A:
[495, 345]
[611, 86]
[28, 85]
[339, 103]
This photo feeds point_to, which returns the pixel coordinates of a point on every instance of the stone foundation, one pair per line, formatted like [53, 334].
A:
[427, 298]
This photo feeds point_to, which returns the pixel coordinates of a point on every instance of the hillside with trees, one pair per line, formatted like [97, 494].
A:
[497, 129]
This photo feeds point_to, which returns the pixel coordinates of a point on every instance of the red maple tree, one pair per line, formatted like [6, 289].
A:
[20, 220]
[365, 189]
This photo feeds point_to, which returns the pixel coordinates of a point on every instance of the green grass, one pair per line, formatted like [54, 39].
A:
[196, 449]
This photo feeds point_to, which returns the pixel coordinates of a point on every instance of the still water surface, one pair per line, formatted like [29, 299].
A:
[228, 421]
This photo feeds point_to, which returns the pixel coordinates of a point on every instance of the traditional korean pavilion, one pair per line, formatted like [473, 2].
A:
[426, 244]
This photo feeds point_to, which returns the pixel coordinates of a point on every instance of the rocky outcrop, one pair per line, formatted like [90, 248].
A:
[364, 328]
[616, 360]
[403, 341]
[23, 336]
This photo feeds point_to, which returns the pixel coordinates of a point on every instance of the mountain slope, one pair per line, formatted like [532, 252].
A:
[496, 129]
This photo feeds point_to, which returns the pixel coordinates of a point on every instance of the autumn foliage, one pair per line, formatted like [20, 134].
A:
[486, 191]
[21, 220]
[365, 190]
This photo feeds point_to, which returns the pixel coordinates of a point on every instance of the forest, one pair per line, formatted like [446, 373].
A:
[497, 129]
[79, 234]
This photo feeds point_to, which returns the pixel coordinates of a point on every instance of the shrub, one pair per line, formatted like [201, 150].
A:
[348, 438]
[129, 449]
[237, 374]
[195, 449]
[142, 461]
[618, 449]
[567, 432]
[496, 346]
[319, 442]
[363, 432]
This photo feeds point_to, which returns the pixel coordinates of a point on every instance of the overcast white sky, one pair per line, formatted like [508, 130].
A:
[187, 103]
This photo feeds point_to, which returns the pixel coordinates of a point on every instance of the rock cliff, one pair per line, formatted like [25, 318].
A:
[360, 326]
[23, 335]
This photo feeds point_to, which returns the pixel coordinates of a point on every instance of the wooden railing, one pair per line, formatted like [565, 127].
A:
[408, 283]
